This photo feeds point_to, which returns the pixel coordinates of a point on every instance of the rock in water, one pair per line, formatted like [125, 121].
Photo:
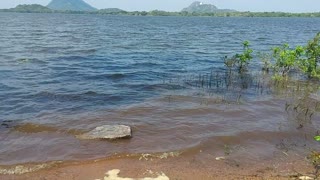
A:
[108, 132]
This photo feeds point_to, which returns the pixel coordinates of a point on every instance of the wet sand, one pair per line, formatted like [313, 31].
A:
[250, 155]
[200, 165]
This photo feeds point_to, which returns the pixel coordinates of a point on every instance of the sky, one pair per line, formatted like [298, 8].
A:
[177, 5]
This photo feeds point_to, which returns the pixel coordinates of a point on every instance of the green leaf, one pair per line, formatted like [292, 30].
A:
[317, 138]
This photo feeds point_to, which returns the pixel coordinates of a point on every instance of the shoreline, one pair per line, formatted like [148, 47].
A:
[198, 166]
[280, 153]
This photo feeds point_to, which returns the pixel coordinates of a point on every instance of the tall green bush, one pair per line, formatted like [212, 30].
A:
[310, 64]
[240, 61]
[286, 59]
[245, 57]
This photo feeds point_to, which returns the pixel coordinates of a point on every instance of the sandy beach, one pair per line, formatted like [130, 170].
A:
[196, 164]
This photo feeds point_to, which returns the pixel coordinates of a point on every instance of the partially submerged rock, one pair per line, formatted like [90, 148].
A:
[108, 132]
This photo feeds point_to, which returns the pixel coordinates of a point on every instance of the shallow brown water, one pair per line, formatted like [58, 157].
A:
[172, 123]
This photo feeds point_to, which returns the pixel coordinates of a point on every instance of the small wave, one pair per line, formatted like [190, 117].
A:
[91, 93]
[85, 96]
[84, 51]
[203, 52]
[163, 87]
[6, 124]
[116, 76]
[30, 60]
[151, 87]
[33, 128]
[146, 64]
[23, 169]
[49, 49]
[262, 38]
[6, 88]
[70, 58]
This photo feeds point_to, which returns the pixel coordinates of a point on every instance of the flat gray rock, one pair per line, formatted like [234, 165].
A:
[108, 132]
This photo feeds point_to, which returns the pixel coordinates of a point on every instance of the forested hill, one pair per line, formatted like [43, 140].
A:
[70, 5]
[199, 7]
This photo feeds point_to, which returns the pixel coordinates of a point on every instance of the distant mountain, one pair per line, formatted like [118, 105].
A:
[199, 7]
[70, 5]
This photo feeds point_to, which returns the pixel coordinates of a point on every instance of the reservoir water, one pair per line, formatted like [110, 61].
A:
[63, 74]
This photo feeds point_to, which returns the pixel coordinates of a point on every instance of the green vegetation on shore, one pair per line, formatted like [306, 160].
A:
[35, 8]
[32, 8]
[283, 60]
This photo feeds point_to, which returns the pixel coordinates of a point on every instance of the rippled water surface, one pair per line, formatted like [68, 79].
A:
[61, 75]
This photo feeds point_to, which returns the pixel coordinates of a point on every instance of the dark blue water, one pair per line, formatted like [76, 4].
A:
[55, 68]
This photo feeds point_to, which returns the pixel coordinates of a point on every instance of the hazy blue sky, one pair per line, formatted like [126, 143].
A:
[177, 5]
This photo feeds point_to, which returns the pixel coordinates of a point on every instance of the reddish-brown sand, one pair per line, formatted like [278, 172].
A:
[200, 165]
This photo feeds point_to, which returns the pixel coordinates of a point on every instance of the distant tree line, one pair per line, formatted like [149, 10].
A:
[35, 8]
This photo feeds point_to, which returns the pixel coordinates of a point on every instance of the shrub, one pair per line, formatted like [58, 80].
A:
[310, 64]
[286, 59]
[240, 60]
[244, 58]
